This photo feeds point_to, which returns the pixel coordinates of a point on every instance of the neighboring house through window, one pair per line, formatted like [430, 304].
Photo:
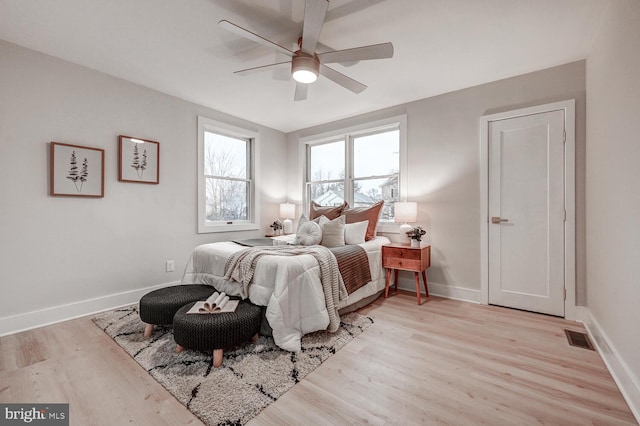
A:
[361, 165]
[226, 177]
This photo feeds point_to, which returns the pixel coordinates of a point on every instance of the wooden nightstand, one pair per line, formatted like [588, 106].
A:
[406, 258]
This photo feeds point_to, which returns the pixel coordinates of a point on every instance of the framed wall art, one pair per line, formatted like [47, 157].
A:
[138, 160]
[76, 171]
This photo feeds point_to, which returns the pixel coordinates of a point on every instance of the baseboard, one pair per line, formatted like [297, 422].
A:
[581, 314]
[442, 290]
[628, 384]
[47, 316]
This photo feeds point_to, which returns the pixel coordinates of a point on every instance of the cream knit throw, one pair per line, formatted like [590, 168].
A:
[241, 265]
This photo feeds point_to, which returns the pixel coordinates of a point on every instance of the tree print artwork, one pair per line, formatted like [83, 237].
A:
[138, 164]
[76, 176]
[138, 160]
[76, 170]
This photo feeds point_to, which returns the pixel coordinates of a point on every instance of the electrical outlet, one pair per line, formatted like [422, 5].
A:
[170, 266]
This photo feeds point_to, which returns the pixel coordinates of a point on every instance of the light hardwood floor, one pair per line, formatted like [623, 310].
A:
[445, 362]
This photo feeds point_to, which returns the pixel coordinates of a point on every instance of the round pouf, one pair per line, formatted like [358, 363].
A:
[215, 332]
[159, 306]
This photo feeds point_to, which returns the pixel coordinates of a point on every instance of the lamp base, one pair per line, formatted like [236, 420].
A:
[404, 228]
[288, 226]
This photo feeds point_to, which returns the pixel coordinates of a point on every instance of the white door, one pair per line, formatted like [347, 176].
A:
[527, 213]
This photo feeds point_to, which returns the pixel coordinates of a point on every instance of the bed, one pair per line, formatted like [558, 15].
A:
[288, 286]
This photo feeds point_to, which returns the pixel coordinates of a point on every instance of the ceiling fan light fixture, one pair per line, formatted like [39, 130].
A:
[305, 76]
[305, 68]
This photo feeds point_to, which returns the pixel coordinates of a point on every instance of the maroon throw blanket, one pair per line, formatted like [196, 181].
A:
[353, 264]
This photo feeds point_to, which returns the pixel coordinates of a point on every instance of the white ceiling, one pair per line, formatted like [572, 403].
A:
[176, 47]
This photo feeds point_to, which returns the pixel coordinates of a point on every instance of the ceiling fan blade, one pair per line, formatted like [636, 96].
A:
[229, 26]
[314, 13]
[341, 79]
[261, 68]
[301, 92]
[363, 53]
[323, 48]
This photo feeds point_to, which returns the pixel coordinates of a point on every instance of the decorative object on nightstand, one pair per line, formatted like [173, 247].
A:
[405, 212]
[402, 257]
[287, 212]
[415, 234]
[276, 226]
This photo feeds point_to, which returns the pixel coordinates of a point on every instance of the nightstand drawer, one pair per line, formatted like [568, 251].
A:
[400, 263]
[401, 253]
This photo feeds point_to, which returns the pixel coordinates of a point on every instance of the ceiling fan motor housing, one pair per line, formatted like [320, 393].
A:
[304, 67]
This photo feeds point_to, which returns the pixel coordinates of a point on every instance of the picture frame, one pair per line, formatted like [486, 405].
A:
[76, 171]
[138, 160]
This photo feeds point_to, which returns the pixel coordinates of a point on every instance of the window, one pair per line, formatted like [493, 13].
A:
[376, 166]
[359, 165]
[226, 185]
[326, 173]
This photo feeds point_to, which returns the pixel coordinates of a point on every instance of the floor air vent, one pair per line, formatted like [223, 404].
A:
[579, 339]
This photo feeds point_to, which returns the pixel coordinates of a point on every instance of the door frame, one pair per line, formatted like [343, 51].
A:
[568, 106]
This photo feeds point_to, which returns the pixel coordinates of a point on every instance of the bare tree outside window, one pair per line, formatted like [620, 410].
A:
[322, 185]
[227, 178]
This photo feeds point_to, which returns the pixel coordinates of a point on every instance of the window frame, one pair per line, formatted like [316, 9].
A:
[253, 202]
[347, 135]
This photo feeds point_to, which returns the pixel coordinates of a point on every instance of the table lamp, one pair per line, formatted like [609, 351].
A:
[405, 212]
[287, 212]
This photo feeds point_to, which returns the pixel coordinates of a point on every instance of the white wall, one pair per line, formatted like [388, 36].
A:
[61, 250]
[444, 166]
[613, 197]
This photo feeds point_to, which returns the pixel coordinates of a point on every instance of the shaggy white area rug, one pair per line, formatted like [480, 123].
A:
[251, 377]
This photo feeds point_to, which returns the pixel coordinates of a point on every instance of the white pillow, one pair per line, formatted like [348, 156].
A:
[333, 232]
[355, 233]
[303, 219]
[308, 234]
[321, 220]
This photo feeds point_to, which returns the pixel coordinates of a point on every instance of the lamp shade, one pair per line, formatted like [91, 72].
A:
[406, 211]
[287, 211]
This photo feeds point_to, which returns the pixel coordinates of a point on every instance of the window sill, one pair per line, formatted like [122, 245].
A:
[234, 227]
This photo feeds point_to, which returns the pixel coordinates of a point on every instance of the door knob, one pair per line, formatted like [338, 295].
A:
[495, 219]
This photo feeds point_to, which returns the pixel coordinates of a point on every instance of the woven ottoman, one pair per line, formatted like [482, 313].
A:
[159, 306]
[206, 332]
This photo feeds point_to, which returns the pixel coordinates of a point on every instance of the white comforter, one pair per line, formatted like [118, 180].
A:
[288, 286]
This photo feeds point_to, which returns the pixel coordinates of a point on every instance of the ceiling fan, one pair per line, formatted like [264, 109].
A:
[306, 63]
